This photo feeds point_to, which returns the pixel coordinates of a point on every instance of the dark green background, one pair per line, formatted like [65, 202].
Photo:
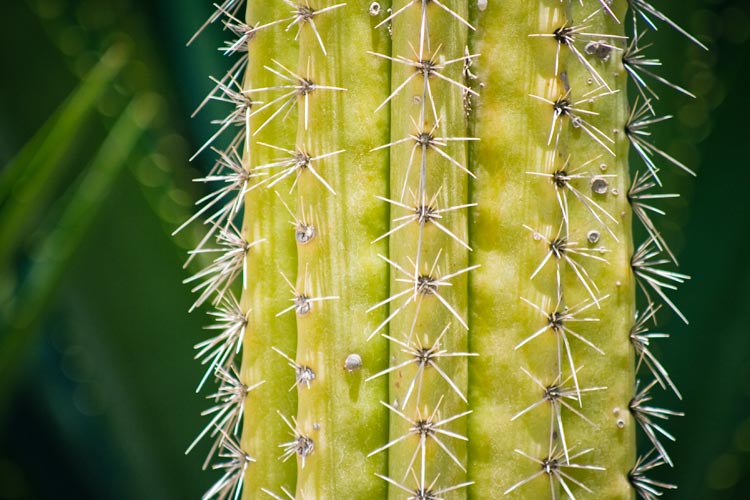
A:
[100, 402]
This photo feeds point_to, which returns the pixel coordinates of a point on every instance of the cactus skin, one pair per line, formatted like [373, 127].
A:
[267, 293]
[508, 254]
[454, 302]
[342, 261]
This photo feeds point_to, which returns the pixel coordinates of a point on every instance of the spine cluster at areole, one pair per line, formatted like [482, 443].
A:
[420, 255]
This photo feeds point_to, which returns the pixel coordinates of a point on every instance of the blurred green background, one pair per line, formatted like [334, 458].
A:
[96, 373]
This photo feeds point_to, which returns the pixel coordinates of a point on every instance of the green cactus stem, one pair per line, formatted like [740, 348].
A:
[435, 263]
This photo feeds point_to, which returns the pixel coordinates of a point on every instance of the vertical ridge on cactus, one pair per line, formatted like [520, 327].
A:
[429, 266]
[430, 204]
[267, 293]
[341, 412]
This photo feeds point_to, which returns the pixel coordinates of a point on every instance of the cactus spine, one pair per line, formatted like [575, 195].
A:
[452, 311]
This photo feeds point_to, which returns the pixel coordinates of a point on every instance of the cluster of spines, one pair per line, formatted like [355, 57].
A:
[220, 210]
[421, 339]
[268, 150]
[648, 259]
[582, 80]
[573, 300]
[223, 210]
[426, 324]
[653, 262]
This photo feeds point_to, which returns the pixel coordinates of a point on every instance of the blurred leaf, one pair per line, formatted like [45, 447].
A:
[27, 182]
[52, 258]
[128, 313]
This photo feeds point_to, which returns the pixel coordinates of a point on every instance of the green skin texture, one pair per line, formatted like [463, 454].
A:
[267, 293]
[425, 318]
[341, 411]
[519, 127]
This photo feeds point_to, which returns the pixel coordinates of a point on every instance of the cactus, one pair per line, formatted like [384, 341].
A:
[421, 255]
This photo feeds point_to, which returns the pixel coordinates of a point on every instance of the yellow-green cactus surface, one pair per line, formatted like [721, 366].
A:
[419, 255]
